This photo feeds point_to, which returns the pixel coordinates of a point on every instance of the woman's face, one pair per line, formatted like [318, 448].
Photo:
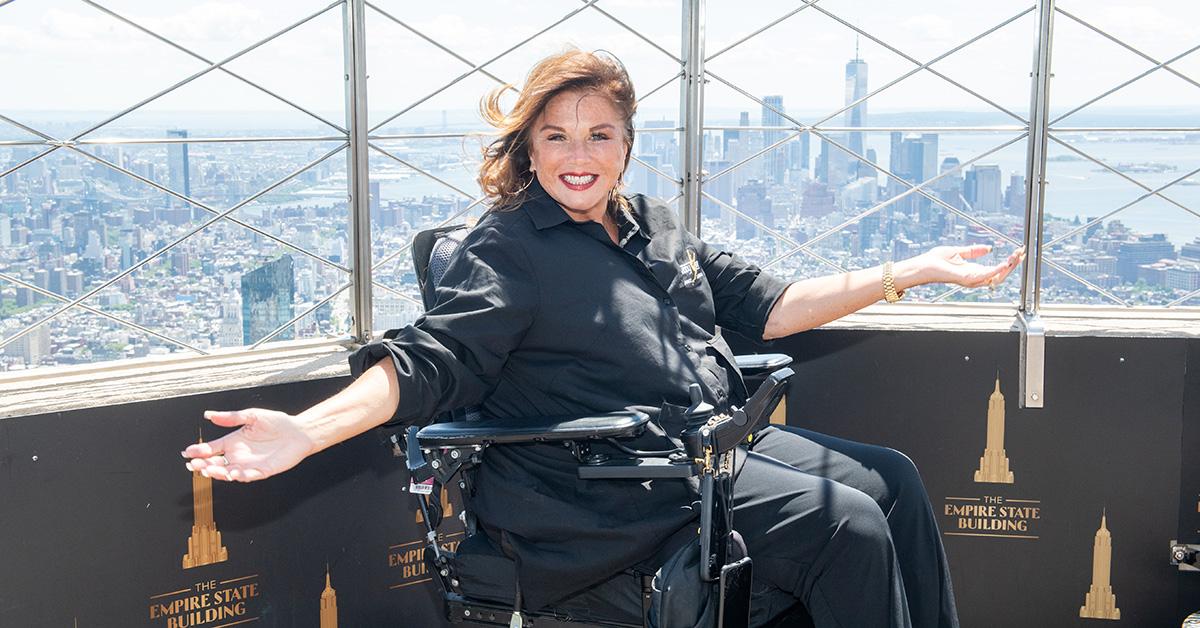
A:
[577, 151]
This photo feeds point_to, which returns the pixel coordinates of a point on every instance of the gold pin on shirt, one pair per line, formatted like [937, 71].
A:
[693, 266]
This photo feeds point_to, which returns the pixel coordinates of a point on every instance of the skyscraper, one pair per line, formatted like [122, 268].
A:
[913, 158]
[776, 161]
[267, 295]
[950, 187]
[752, 201]
[856, 116]
[375, 203]
[989, 191]
[178, 168]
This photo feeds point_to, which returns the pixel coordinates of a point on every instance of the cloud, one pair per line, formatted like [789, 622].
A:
[213, 22]
[929, 26]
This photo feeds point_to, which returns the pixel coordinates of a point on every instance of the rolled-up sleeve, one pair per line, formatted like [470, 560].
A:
[743, 294]
[452, 356]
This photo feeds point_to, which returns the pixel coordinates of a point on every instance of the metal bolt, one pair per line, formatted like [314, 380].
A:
[462, 484]
[466, 612]
[436, 464]
[453, 582]
[456, 454]
[966, 358]
[444, 572]
[1034, 396]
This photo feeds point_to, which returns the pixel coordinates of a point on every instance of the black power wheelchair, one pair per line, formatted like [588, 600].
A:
[705, 584]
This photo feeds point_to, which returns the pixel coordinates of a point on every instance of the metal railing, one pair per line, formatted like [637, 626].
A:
[361, 139]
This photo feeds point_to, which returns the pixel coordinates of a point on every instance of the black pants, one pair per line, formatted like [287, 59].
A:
[844, 527]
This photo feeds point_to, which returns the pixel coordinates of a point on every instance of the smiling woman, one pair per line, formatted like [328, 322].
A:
[570, 298]
[572, 127]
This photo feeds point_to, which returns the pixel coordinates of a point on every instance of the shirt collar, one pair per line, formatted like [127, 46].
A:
[546, 212]
[543, 210]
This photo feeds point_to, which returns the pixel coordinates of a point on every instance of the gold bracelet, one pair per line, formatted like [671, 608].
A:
[889, 285]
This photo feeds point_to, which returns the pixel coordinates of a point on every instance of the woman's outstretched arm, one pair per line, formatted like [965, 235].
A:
[813, 302]
[271, 442]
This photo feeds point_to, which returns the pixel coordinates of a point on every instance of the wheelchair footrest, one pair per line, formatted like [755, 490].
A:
[460, 610]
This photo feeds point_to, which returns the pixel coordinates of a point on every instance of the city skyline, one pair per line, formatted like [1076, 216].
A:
[72, 221]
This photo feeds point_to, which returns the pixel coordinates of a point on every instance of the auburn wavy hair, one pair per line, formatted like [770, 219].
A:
[504, 174]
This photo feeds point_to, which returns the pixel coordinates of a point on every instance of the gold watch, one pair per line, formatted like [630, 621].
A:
[889, 285]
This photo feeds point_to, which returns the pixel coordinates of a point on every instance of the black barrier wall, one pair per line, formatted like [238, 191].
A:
[1039, 509]
[100, 524]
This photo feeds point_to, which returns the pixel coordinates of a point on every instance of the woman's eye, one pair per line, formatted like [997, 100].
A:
[557, 137]
[599, 136]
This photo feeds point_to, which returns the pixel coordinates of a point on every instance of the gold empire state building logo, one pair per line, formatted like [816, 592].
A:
[204, 546]
[993, 466]
[328, 604]
[1100, 602]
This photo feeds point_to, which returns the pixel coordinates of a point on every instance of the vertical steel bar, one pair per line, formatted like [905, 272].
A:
[357, 167]
[691, 112]
[1033, 341]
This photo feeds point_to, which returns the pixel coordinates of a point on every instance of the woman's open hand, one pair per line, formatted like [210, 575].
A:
[269, 442]
[949, 264]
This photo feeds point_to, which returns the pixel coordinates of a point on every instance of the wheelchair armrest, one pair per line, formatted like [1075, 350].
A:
[761, 363]
[532, 429]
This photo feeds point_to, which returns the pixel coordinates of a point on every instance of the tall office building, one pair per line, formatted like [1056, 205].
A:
[726, 136]
[950, 187]
[752, 201]
[267, 296]
[834, 165]
[642, 179]
[989, 191]
[741, 148]
[913, 158]
[720, 188]
[776, 162]
[1014, 195]
[856, 116]
[178, 168]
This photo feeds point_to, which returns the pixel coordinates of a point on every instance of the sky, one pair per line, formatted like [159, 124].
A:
[66, 55]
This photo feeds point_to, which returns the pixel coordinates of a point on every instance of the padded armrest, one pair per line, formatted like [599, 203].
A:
[532, 429]
[758, 363]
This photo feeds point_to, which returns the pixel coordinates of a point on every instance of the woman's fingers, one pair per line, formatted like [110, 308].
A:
[219, 467]
[204, 450]
[239, 474]
[231, 418]
[977, 250]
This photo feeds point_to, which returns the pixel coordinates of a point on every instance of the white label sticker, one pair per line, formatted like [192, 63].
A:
[421, 488]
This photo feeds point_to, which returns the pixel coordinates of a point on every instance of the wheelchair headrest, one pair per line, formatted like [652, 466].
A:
[432, 251]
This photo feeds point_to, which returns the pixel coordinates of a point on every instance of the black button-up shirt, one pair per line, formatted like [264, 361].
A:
[540, 315]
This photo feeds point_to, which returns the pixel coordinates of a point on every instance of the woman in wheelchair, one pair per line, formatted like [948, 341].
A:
[569, 297]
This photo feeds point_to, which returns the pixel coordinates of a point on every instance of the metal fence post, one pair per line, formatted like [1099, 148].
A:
[1033, 331]
[357, 167]
[691, 111]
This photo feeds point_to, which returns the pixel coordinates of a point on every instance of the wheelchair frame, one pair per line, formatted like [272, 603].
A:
[442, 451]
